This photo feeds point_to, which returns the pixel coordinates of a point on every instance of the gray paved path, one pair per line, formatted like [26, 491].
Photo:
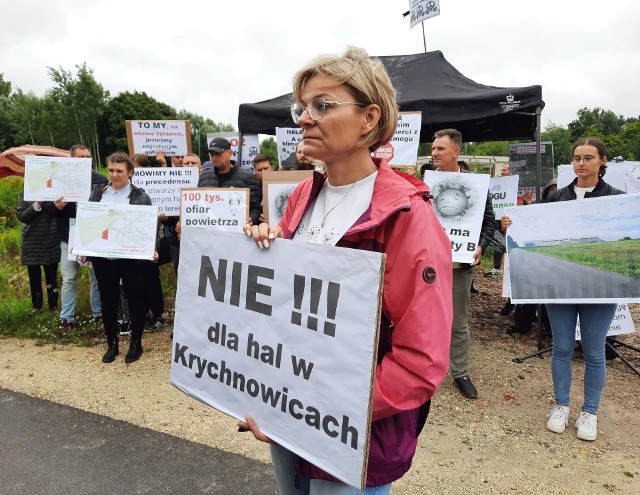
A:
[535, 276]
[48, 448]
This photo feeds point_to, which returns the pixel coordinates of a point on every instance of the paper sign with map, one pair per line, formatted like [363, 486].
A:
[47, 178]
[108, 230]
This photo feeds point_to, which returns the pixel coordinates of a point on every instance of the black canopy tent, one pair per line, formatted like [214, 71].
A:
[426, 82]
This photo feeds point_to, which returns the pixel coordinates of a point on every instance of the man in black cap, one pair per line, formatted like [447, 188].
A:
[225, 174]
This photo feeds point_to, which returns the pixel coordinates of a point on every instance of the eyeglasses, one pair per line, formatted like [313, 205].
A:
[586, 159]
[317, 107]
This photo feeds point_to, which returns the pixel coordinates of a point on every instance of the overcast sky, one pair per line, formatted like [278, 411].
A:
[208, 57]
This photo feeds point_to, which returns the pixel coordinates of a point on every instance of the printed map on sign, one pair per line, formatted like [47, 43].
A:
[48, 178]
[115, 230]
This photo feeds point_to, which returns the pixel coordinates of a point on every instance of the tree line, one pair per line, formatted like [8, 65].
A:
[620, 135]
[77, 109]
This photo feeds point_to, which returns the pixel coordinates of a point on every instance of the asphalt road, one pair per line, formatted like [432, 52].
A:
[48, 448]
[535, 276]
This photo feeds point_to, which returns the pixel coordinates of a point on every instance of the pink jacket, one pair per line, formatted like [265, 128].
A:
[415, 333]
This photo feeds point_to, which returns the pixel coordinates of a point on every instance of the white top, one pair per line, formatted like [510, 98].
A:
[116, 195]
[335, 210]
[580, 191]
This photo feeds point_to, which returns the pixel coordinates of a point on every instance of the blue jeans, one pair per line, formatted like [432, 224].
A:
[284, 467]
[595, 320]
[70, 270]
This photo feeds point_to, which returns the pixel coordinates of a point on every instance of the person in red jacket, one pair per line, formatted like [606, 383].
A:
[347, 108]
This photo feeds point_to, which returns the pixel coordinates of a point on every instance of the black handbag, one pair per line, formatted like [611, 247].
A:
[164, 250]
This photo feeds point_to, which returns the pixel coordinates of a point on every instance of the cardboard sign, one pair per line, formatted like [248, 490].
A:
[150, 136]
[276, 189]
[114, 230]
[47, 178]
[278, 336]
[214, 209]
[287, 139]
[163, 185]
[459, 201]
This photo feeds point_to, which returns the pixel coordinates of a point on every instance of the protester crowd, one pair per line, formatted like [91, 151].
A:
[347, 108]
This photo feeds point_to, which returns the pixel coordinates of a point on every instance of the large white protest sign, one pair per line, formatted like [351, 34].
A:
[422, 10]
[47, 178]
[285, 335]
[503, 192]
[287, 139]
[150, 136]
[114, 230]
[276, 189]
[582, 251]
[214, 208]
[624, 176]
[402, 150]
[250, 146]
[459, 201]
[163, 185]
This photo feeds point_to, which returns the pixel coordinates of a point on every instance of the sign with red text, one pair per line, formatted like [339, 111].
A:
[276, 335]
[163, 185]
[150, 136]
[402, 150]
[214, 208]
[250, 147]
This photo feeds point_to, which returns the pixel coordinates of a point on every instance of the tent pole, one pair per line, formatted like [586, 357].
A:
[424, 39]
[239, 163]
[538, 153]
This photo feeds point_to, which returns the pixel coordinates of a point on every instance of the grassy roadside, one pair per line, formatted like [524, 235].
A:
[616, 256]
[18, 319]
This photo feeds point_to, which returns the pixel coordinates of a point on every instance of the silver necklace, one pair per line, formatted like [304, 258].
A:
[349, 191]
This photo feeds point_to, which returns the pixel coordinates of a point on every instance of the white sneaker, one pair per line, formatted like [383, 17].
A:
[558, 419]
[494, 272]
[587, 425]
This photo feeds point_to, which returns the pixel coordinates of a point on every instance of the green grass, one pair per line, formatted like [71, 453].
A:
[17, 318]
[615, 256]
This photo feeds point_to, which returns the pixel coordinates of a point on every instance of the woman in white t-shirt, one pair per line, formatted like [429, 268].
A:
[347, 109]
